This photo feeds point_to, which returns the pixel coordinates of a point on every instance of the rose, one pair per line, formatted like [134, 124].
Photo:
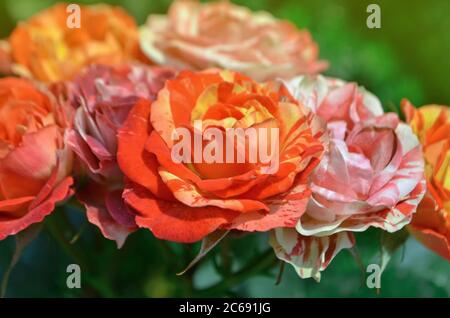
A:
[103, 96]
[184, 202]
[5, 58]
[371, 175]
[431, 223]
[34, 163]
[197, 36]
[46, 48]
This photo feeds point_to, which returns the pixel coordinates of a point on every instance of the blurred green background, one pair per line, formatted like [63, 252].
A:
[408, 57]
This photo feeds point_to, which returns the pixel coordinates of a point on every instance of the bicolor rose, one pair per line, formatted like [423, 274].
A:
[184, 202]
[103, 96]
[35, 165]
[198, 36]
[371, 175]
[431, 223]
[47, 49]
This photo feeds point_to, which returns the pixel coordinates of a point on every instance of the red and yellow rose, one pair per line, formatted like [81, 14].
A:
[185, 202]
[431, 224]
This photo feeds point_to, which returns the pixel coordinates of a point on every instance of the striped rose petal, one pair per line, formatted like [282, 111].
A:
[309, 255]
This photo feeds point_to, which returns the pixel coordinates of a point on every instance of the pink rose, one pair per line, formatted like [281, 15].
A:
[103, 96]
[372, 174]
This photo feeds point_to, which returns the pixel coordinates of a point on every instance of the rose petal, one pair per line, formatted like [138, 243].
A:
[170, 220]
[39, 212]
[309, 255]
[137, 164]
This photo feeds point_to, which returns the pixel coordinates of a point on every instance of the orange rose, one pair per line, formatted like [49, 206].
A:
[34, 163]
[186, 200]
[5, 58]
[45, 48]
[431, 223]
[198, 36]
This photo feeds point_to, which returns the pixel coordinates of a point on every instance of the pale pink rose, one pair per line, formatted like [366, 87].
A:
[372, 174]
[103, 96]
[198, 36]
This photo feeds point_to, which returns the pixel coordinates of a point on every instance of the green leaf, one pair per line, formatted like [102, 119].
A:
[390, 243]
[208, 244]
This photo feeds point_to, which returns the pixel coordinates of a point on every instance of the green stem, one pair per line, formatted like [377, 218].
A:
[259, 264]
[5, 279]
[357, 257]
[280, 273]
[225, 255]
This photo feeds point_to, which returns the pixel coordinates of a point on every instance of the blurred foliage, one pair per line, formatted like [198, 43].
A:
[407, 57]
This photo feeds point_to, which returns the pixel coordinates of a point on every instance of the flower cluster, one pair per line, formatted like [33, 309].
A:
[105, 112]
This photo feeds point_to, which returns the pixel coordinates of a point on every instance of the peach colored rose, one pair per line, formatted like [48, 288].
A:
[431, 223]
[35, 165]
[198, 36]
[103, 96]
[45, 48]
[371, 175]
[184, 202]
